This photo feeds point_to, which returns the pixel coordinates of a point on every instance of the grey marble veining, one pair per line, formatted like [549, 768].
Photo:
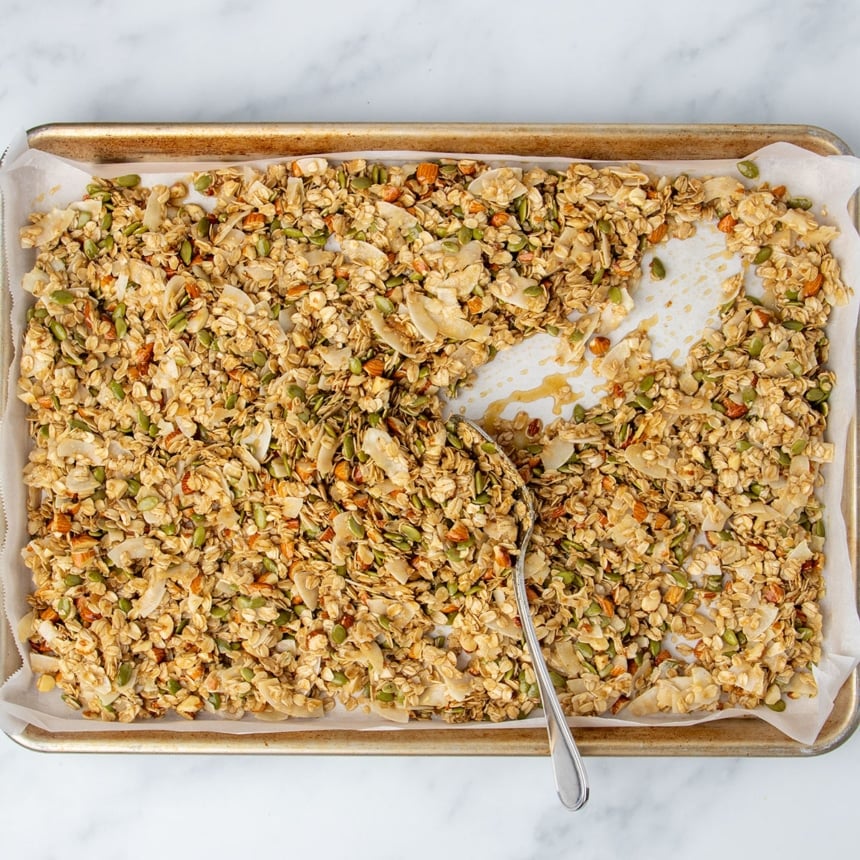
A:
[755, 61]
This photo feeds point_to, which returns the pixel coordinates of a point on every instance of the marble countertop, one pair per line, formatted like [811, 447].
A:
[754, 61]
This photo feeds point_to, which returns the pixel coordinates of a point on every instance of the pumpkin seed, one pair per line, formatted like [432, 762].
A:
[178, 321]
[764, 254]
[756, 345]
[383, 304]
[123, 676]
[658, 270]
[749, 169]
[260, 517]
[186, 252]
[198, 538]
[62, 297]
[411, 533]
[130, 180]
[58, 330]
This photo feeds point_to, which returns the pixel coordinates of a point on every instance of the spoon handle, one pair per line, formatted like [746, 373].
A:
[571, 780]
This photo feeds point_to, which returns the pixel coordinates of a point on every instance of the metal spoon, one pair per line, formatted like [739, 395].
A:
[570, 778]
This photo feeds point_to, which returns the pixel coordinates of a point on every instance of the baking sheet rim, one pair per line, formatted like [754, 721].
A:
[722, 737]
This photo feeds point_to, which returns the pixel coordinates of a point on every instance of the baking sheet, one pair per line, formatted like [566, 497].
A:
[831, 180]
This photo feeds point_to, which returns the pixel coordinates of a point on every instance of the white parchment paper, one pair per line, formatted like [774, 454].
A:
[32, 180]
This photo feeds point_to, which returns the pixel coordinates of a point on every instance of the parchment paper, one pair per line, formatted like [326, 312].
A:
[32, 180]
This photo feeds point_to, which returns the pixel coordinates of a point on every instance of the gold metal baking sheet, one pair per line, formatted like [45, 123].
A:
[104, 142]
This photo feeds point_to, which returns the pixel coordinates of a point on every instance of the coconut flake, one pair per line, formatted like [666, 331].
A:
[44, 664]
[424, 324]
[397, 568]
[635, 457]
[448, 317]
[372, 654]
[80, 481]
[34, 280]
[291, 506]
[499, 186]
[386, 453]
[75, 449]
[720, 188]
[801, 552]
[556, 453]
[131, 549]
[48, 631]
[151, 599]
[153, 215]
[394, 713]
[396, 216]
[459, 685]
[336, 359]
[257, 439]
[434, 696]
[387, 334]
[172, 290]
[294, 194]
[51, 227]
[363, 253]
[144, 275]
[325, 455]
[510, 286]
[237, 298]
[309, 596]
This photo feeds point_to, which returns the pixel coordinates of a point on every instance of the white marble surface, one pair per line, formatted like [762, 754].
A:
[754, 61]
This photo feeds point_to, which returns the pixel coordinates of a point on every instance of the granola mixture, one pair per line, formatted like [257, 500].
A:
[244, 496]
